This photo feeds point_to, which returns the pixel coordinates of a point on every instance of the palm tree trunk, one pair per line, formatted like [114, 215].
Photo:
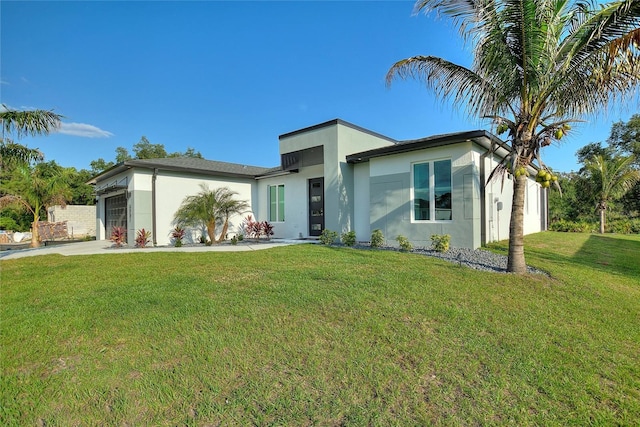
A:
[211, 231]
[516, 263]
[35, 234]
[225, 228]
[603, 218]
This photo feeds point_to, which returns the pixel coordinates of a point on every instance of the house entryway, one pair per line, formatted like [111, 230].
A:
[316, 206]
[115, 213]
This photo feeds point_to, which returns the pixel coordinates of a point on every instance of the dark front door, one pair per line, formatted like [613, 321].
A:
[316, 206]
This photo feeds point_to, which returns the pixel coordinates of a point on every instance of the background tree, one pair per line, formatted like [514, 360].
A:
[144, 149]
[538, 65]
[18, 124]
[207, 209]
[610, 178]
[32, 190]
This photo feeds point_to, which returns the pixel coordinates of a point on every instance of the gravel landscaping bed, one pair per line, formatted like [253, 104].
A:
[478, 259]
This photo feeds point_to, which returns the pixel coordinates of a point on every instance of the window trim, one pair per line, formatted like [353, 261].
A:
[432, 196]
[279, 203]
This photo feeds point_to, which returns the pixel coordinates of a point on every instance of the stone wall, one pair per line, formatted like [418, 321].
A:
[81, 220]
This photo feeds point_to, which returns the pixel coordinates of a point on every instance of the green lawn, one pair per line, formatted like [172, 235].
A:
[312, 335]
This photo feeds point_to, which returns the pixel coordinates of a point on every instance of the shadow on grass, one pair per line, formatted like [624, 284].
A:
[614, 254]
[611, 254]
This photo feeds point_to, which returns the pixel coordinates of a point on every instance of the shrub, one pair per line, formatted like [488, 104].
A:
[118, 236]
[240, 237]
[440, 242]
[7, 223]
[328, 237]
[348, 238]
[404, 243]
[573, 226]
[143, 237]
[377, 238]
[234, 240]
[178, 235]
[266, 229]
[202, 239]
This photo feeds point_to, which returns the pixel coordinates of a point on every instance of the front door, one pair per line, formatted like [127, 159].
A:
[316, 206]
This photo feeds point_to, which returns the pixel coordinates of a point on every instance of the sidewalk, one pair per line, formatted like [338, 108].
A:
[95, 247]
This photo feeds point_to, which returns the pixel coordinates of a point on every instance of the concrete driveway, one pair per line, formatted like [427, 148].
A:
[95, 247]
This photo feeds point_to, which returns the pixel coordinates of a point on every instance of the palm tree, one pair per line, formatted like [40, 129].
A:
[207, 208]
[610, 178]
[23, 123]
[228, 206]
[538, 66]
[29, 189]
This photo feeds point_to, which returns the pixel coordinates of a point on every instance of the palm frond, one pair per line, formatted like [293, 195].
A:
[32, 122]
[451, 81]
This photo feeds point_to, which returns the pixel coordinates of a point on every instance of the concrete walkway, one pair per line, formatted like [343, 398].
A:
[95, 247]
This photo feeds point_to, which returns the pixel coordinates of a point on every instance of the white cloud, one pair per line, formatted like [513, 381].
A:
[83, 129]
[4, 82]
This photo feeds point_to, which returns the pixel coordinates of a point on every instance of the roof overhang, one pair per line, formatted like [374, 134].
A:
[482, 138]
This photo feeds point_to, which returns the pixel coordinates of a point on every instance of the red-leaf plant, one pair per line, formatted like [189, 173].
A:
[143, 238]
[118, 236]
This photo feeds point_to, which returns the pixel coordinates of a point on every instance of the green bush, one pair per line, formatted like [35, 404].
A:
[348, 238]
[440, 242]
[328, 237]
[7, 223]
[377, 238]
[404, 243]
[623, 226]
[573, 226]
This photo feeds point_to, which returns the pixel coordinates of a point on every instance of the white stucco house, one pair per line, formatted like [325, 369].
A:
[338, 176]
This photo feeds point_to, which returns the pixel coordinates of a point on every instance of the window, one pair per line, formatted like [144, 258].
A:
[432, 191]
[276, 203]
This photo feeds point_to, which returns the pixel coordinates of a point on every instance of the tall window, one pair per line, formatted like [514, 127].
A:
[276, 203]
[432, 191]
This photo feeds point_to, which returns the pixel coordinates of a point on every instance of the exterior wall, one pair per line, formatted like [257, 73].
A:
[296, 202]
[338, 141]
[81, 220]
[391, 195]
[124, 178]
[172, 188]
[497, 221]
[361, 201]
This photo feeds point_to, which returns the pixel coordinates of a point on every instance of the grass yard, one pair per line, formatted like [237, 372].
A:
[312, 335]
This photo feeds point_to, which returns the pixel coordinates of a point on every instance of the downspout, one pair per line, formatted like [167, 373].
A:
[153, 206]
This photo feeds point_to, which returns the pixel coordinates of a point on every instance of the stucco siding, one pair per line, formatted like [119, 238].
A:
[172, 188]
[391, 197]
[296, 219]
[361, 201]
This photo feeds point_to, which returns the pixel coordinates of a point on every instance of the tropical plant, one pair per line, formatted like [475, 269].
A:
[610, 178]
[20, 124]
[440, 242]
[348, 238]
[208, 208]
[377, 238]
[404, 243]
[267, 229]
[30, 190]
[178, 234]
[538, 66]
[118, 236]
[143, 237]
[328, 237]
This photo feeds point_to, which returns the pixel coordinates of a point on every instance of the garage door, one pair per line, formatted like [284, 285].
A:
[115, 213]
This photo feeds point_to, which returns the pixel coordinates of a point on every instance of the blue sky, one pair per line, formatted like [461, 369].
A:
[227, 78]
